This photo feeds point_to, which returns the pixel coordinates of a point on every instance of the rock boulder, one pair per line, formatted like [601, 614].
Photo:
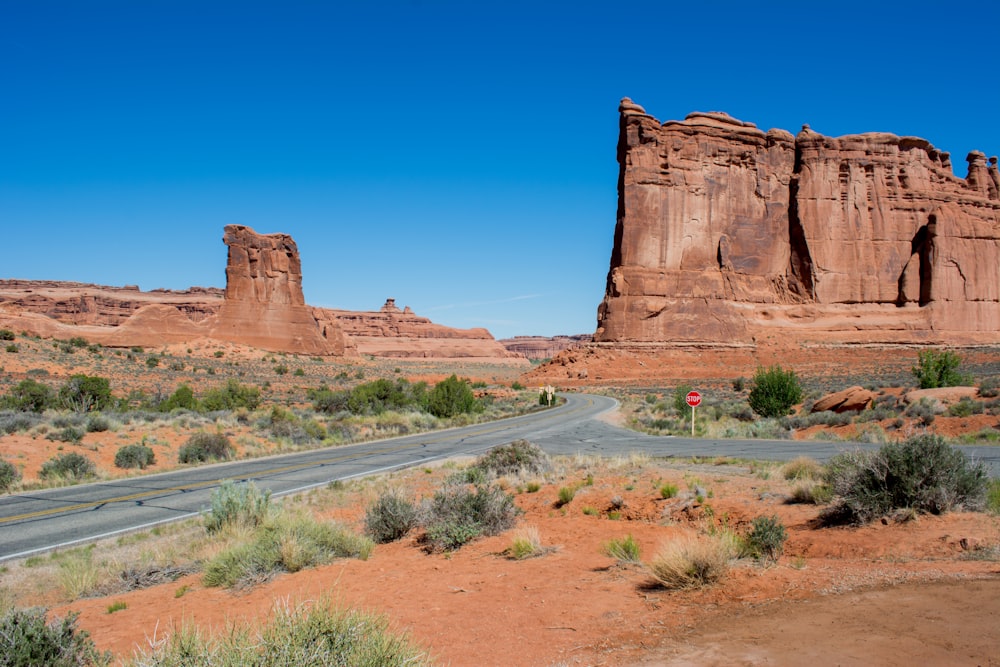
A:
[852, 399]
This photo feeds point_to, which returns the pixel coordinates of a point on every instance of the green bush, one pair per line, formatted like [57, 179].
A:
[67, 434]
[71, 466]
[452, 397]
[134, 456]
[923, 473]
[517, 457]
[939, 369]
[313, 635]
[766, 540]
[566, 495]
[993, 497]
[231, 396]
[390, 517]
[680, 400]
[284, 544]
[84, 393]
[774, 391]
[6, 334]
[990, 387]
[97, 423]
[204, 446]
[240, 505]
[30, 396]
[9, 475]
[27, 639]
[459, 514]
[668, 490]
[183, 397]
[624, 550]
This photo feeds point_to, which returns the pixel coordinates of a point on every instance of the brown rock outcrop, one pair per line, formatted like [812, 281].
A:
[264, 306]
[726, 233]
[852, 399]
[542, 347]
[391, 332]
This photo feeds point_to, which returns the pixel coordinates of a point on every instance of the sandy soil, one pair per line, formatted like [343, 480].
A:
[926, 591]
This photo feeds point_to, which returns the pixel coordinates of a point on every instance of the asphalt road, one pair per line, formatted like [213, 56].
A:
[43, 520]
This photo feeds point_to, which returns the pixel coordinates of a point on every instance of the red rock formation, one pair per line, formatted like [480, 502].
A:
[391, 332]
[264, 306]
[726, 233]
[852, 399]
[541, 347]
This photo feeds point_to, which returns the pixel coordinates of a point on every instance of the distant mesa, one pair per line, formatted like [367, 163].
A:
[262, 306]
[542, 347]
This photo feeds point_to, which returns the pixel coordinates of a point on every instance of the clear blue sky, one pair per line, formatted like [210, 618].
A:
[457, 156]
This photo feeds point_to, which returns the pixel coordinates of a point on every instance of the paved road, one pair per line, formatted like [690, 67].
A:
[38, 521]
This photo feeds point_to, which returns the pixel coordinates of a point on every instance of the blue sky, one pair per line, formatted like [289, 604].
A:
[456, 156]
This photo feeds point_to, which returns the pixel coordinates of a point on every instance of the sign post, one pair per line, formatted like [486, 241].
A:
[693, 399]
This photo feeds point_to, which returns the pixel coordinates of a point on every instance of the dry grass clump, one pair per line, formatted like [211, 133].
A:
[692, 562]
[801, 468]
[527, 543]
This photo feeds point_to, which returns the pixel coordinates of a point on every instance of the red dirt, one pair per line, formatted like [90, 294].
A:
[898, 593]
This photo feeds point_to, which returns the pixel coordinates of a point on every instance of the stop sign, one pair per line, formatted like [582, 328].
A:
[693, 399]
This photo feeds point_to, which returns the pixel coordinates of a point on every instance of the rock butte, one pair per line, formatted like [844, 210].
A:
[727, 234]
[262, 306]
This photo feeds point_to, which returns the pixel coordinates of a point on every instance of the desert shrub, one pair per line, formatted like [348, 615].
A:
[373, 398]
[27, 639]
[97, 423]
[459, 514]
[802, 467]
[85, 393]
[939, 369]
[330, 402]
[204, 446]
[66, 434]
[766, 540]
[990, 387]
[6, 334]
[527, 543]
[71, 466]
[134, 456]
[680, 399]
[811, 494]
[623, 550]
[284, 544]
[693, 562]
[517, 457]
[924, 410]
[774, 391]
[231, 396]
[12, 348]
[923, 473]
[30, 396]
[566, 495]
[965, 407]
[668, 490]
[390, 517]
[451, 397]
[183, 397]
[239, 505]
[9, 475]
[993, 497]
[12, 422]
[309, 635]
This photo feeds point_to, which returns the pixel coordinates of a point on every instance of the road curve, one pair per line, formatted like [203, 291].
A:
[43, 520]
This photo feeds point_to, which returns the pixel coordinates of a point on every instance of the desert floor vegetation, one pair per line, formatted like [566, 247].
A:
[727, 536]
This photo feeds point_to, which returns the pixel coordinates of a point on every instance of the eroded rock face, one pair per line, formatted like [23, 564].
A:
[726, 233]
[264, 306]
[543, 347]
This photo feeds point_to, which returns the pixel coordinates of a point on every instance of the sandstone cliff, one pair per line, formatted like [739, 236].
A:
[726, 233]
[264, 306]
[391, 332]
[543, 347]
